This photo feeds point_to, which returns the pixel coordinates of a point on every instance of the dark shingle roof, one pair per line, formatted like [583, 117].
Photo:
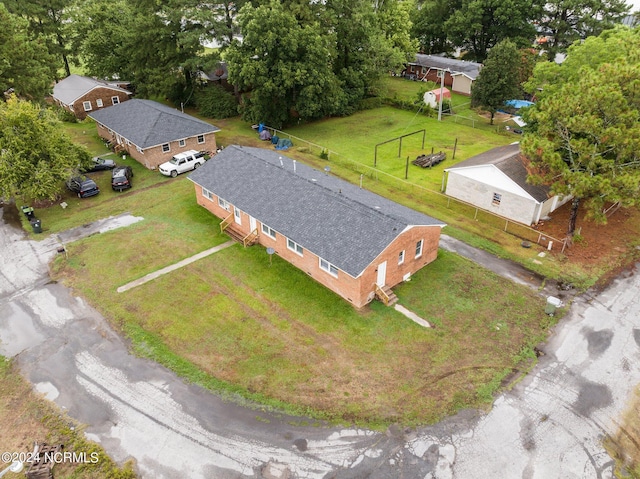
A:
[345, 225]
[147, 123]
[75, 86]
[508, 160]
[470, 69]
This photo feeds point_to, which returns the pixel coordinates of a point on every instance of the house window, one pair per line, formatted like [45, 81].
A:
[86, 105]
[182, 142]
[295, 247]
[115, 100]
[223, 204]
[166, 148]
[200, 139]
[328, 267]
[401, 257]
[419, 249]
[268, 231]
[496, 199]
[99, 103]
[207, 194]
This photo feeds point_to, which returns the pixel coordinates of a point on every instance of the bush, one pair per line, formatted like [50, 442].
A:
[65, 115]
[215, 102]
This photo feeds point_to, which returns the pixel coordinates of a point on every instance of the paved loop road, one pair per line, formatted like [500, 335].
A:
[549, 426]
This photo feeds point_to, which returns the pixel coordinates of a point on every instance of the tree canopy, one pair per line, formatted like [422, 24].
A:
[25, 64]
[498, 80]
[583, 136]
[36, 156]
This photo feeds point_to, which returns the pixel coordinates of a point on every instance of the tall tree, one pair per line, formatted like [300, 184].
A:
[25, 64]
[287, 66]
[35, 154]
[499, 79]
[48, 21]
[587, 145]
[480, 24]
[566, 21]
[429, 21]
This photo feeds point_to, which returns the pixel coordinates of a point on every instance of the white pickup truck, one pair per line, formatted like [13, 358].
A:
[185, 161]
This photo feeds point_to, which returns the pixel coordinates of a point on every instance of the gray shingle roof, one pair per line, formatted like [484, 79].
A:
[470, 69]
[74, 86]
[147, 123]
[508, 160]
[345, 225]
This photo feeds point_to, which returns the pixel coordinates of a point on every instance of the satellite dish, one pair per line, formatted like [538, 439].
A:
[270, 252]
[326, 170]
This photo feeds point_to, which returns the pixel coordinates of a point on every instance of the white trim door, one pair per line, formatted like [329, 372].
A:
[237, 215]
[252, 223]
[382, 274]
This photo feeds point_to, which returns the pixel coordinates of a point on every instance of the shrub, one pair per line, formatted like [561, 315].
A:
[215, 102]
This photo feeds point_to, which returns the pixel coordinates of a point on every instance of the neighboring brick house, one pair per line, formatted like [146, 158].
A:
[151, 132]
[459, 74]
[352, 241]
[496, 181]
[81, 95]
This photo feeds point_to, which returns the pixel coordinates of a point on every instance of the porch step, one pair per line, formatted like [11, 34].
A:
[393, 299]
[238, 236]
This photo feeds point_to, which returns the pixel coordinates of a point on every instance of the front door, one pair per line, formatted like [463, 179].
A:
[252, 223]
[236, 215]
[382, 274]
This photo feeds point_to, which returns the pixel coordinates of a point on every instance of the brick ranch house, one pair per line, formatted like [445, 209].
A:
[81, 95]
[459, 75]
[352, 241]
[151, 132]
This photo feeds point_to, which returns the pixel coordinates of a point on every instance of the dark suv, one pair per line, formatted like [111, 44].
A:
[121, 178]
[83, 186]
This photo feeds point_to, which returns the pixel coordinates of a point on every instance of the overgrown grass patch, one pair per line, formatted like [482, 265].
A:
[239, 322]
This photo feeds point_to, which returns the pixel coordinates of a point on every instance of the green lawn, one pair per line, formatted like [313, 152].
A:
[236, 321]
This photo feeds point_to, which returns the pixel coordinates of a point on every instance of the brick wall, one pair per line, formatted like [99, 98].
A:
[153, 157]
[358, 291]
[105, 94]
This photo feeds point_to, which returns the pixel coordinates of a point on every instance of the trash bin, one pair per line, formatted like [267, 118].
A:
[28, 212]
[37, 226]
[552, 304]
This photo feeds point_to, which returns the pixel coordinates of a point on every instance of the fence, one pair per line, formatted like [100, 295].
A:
[431, 198]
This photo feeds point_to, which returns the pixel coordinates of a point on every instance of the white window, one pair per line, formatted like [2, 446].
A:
[115, 100]
[99, 103]
[268, 231]
[496, 199]
[295, 247]
[223, 204]
[200, 139]
[86, 105]
[401, 257]
[419, 249]
[207, 194]
[166, 148]
[182, 142]
[328, 267]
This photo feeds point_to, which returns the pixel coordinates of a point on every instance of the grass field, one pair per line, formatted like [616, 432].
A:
[270, 333]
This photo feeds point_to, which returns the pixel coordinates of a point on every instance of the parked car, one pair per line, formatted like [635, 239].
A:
[83, 186]
[185, 161]
[100, 164]
[121, 178]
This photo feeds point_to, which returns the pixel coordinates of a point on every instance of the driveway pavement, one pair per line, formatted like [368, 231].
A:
[550, 426]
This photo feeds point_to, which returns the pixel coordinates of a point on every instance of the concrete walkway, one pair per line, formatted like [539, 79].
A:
[173, 267]
[412, 316]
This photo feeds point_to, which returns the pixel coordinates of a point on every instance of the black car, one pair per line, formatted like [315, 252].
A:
[100, 164]
[121, 178]
[83, 186]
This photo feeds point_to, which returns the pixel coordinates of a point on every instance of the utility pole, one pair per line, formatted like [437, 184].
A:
[441, 74]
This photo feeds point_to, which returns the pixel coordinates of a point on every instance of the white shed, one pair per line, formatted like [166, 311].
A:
[496, 181]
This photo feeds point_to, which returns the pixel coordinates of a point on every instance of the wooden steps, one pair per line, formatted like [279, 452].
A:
[386, 295]
[240, 237]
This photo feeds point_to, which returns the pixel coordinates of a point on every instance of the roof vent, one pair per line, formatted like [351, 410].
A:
[314, 180]
[281, 164]
[377, 207]
[294, 166]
